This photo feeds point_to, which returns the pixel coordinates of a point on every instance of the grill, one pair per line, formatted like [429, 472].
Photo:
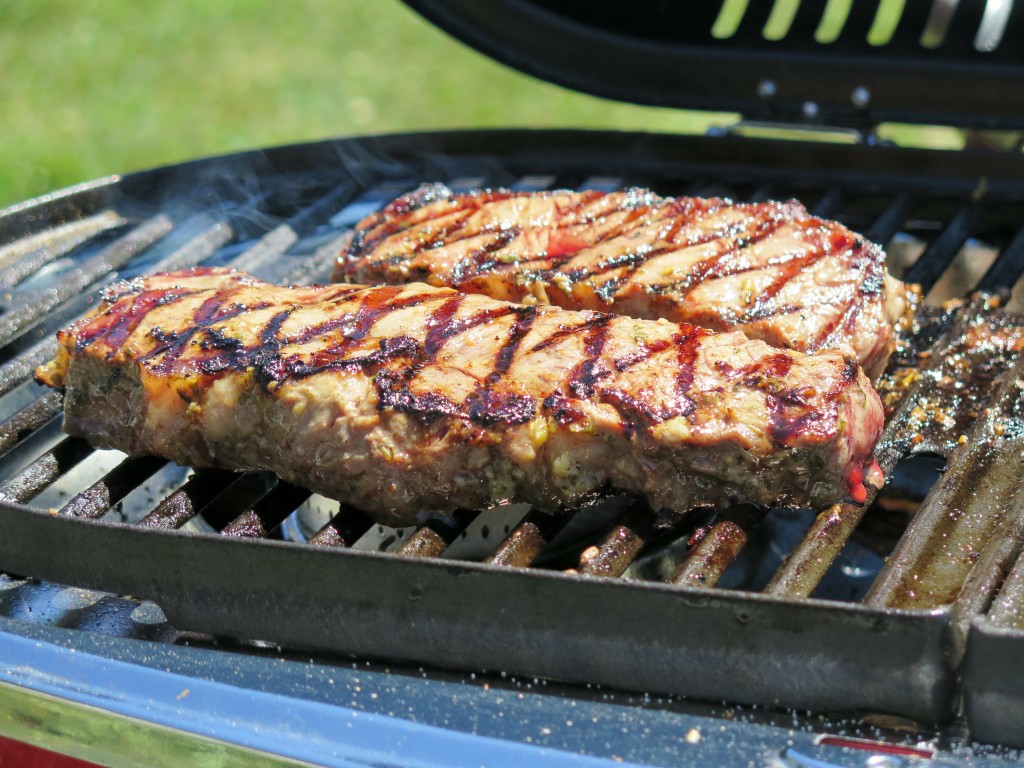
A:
[906, 604]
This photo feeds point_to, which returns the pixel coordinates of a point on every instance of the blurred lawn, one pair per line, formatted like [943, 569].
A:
[109, 86]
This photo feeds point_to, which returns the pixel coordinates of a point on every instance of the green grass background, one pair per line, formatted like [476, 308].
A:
[95, 87]
[109, 86]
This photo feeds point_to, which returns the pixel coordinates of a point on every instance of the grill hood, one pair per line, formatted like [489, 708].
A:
[855, 64]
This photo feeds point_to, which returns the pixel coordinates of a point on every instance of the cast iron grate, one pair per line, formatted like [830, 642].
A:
[953, 391]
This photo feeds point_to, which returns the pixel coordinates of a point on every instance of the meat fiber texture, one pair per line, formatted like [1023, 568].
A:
[413, 401]
[769, 269]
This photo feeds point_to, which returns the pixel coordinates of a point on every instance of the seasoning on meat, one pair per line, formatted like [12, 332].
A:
[411, 400]
[769, 269]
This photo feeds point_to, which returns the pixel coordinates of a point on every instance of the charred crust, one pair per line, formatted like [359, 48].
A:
[489, 408]
[481, 260]
[606, 291]
[645, 351]
[214, 339]
[484, 407]
[393, 392]
[562, 409]
[851, 369]
[633, 412]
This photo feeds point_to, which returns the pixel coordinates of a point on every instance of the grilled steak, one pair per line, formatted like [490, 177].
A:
[409, 400]
[769, 269]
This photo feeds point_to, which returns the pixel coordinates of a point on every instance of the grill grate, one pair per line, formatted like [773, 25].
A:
[954, 370]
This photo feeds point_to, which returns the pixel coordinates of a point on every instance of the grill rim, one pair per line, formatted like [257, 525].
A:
[277, 591]
[936, 172]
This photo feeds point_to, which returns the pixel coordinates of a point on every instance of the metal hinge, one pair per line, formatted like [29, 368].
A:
[779, 129]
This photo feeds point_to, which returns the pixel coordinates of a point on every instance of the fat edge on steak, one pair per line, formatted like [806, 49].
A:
[408, 401]
[770, 269]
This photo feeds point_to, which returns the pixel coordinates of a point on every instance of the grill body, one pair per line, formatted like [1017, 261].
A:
[283, 213]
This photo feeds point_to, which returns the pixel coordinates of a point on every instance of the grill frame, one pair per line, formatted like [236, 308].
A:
[757, 628]
[627, 635]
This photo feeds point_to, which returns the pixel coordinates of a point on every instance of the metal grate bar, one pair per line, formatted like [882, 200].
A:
[891, 219]
[349, 209]
[344, 529]
[988, 573]
[243, 494]
[536, 183]
[318, 267]
[28, 419]
[246, 525]
[19, 368]
[1008, 608]
[370, 200]
[949, 392]
[949, 531]
[718, 548]
[807, 564]
[829, 203]
[432, 539]
[263, 259]
[58, 244]
[601, 184]
[809, 561]
[461, 184]
[36, 304]
[528, 539]
[267, 249]
[197, 249]
[762, 194]
[58, 240]
[1007, 268]
[96, 500]
[937, 257]
[312, 216]
[200, 489]
[44, 471]
[268, 513]
[616, 552]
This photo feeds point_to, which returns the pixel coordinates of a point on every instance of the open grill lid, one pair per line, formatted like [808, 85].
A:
[947, 62]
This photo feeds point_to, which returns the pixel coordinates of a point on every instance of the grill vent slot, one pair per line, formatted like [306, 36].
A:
[937, 25]
[993, 25]
[831, 23]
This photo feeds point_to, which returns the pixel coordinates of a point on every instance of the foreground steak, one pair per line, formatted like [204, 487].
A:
[769, 269]
[411, 400]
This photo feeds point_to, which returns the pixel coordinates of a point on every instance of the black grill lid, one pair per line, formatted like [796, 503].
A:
[840, 62]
